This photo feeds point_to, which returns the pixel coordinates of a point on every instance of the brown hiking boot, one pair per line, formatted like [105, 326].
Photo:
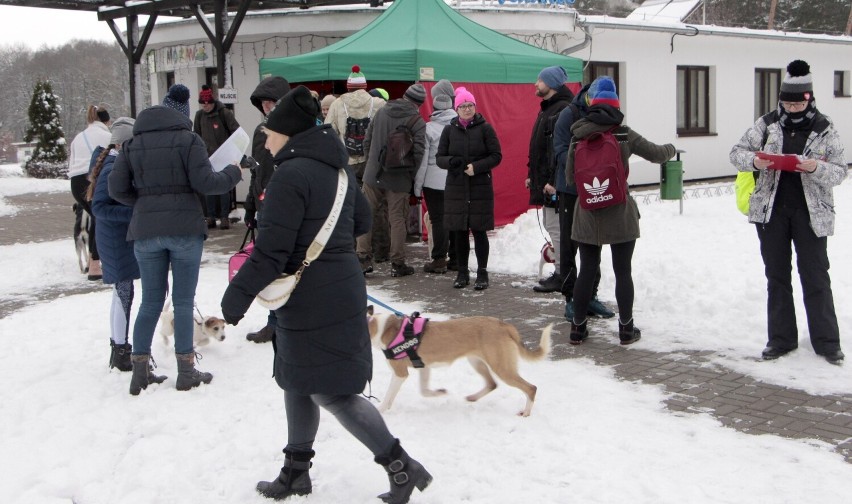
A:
[436, 266]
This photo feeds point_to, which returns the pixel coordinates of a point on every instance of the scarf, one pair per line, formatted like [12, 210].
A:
[803, 120]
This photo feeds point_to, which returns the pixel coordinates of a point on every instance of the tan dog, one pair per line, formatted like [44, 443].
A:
[488, 343]
[204, 329]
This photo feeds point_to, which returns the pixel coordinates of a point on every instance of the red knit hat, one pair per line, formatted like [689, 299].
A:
[206, 95]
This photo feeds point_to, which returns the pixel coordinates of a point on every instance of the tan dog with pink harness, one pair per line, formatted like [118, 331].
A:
[489, 344]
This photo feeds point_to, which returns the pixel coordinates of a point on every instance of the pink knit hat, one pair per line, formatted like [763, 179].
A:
[463, 96]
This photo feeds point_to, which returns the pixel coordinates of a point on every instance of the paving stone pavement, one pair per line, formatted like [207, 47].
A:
[696, 386]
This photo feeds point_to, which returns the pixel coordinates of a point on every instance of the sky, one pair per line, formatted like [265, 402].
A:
[35, 27]
[70, 432]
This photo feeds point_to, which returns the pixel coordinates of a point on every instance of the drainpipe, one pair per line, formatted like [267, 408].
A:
[587, 40]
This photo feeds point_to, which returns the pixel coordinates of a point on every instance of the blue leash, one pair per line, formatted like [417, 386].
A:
[395, 312]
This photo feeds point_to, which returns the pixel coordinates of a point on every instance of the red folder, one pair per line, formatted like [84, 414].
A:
[786, 162]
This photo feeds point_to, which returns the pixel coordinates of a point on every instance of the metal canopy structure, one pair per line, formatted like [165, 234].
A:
[221, 35]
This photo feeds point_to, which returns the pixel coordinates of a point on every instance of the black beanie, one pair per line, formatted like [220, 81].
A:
[294, 113]
[798, 84]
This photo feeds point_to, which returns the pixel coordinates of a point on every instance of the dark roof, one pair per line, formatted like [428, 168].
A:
[112, 9]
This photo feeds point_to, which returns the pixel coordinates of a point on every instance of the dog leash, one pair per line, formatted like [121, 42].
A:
[395, 312]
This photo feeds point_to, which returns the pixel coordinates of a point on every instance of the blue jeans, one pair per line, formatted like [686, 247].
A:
[154, 256]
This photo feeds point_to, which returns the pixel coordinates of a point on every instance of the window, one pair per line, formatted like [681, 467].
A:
[767, 83]
[693, 100]
[841, 83]
[596, 69]
[170, 79]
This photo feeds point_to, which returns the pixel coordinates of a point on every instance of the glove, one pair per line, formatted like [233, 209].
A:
[251, 223]
[456, 162]
[231, 318]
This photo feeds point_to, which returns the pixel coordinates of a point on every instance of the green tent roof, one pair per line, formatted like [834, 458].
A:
[423, 40]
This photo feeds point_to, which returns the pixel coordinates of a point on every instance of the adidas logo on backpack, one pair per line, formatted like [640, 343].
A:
[599, 173]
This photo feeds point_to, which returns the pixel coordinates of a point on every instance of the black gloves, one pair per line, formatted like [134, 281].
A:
[231, 319]
[250, 221]
[456, 163]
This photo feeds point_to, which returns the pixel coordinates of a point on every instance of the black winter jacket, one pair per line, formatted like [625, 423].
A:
[395, 113]
[469, 201]
[542, 161]
[270, 88]
[158, 172]
[322, 344]
[214, 128]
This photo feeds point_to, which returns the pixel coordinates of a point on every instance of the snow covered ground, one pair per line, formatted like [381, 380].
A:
[71, 433]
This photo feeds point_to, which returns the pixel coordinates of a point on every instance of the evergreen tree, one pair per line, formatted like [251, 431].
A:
[49, 156]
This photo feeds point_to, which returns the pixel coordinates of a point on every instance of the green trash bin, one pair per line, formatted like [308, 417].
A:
[671, 179]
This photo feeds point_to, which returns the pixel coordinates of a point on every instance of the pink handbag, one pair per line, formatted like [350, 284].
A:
[237, 260]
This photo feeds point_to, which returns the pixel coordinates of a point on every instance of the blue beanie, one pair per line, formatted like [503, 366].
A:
[602, 83]
[553, 77]
[178, 99]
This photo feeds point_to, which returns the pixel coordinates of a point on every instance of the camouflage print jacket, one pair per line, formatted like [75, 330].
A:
[824, 145]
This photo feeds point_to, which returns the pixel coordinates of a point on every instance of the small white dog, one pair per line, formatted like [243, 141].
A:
[205, 329]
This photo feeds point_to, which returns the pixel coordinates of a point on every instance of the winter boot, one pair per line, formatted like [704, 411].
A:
[366, 264]
[293, 478]
[211, 223]
[404, 473]
[188, 376]
[481, 282]
[401, 269]
[142, 373]
[95, 272]
[225, 223]
[553, 283]
[627, 333]
[119, 356]
[436, 266]
[452, 264]
[579, 332]
[265, 335]
[598, 309]
[462, 279]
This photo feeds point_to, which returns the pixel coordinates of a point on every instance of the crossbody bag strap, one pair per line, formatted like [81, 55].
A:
[327, 228]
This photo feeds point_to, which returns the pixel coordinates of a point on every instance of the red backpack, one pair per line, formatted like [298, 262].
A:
[599, 173]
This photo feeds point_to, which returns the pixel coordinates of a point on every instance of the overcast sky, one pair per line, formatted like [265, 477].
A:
[36, 26]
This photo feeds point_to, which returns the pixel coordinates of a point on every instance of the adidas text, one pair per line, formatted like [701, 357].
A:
[599, 198]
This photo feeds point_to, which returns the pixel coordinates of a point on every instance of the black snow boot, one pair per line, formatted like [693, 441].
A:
[404, 473]
[627, 333]
[142, 373]
[119, 356]
[481, 282]
[188, 376]
[293, 478]
[579, 332]
[462, 279]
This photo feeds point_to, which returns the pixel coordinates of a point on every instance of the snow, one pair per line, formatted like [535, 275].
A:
[70, 432]
[663, 10]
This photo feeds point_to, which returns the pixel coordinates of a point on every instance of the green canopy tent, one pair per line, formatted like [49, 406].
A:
[425, 41]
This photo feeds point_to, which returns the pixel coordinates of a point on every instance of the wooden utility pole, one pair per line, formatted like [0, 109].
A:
[849, 24]
[772, 7]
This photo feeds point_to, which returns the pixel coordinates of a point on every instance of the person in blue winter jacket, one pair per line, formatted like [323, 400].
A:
[116, 253]
[158, 172]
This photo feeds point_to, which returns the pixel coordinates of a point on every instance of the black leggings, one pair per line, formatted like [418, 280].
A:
[590, 261]
[354, 413]
[480, 245]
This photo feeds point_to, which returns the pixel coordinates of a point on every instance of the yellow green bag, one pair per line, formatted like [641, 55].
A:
[743, 187]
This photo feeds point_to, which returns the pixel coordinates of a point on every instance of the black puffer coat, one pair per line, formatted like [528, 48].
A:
[469, 201]
[322, 341]
[542, 160]
[270, 88]
[158, 172]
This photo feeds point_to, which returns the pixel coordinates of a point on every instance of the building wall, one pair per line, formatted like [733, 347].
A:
[647, 67]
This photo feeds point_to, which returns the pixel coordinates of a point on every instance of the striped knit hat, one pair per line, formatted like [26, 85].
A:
[356, 79]
[604, 92]
[798, 84]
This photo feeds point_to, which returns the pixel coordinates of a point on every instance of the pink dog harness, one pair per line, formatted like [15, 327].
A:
[408, 339]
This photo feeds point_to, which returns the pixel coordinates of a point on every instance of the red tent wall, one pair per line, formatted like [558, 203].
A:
[511, 109]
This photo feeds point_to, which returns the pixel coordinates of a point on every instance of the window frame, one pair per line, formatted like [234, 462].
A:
[686, 130]
[596, 69]
[841, 89]
[763, 85]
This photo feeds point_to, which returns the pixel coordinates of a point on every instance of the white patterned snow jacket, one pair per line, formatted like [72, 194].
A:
[824, 145]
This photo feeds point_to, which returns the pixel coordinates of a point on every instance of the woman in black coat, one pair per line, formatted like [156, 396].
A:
[469, 150]
[322, 344]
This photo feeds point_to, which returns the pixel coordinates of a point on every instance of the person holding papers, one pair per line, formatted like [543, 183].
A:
[158, 172]
[795, 207]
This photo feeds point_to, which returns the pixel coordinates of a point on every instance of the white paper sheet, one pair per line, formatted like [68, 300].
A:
[231, 152]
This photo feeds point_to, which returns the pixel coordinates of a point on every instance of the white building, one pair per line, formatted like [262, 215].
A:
[698, 87]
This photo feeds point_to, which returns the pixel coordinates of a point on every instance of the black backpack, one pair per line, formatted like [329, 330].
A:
[398, 153]
[356, 130]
